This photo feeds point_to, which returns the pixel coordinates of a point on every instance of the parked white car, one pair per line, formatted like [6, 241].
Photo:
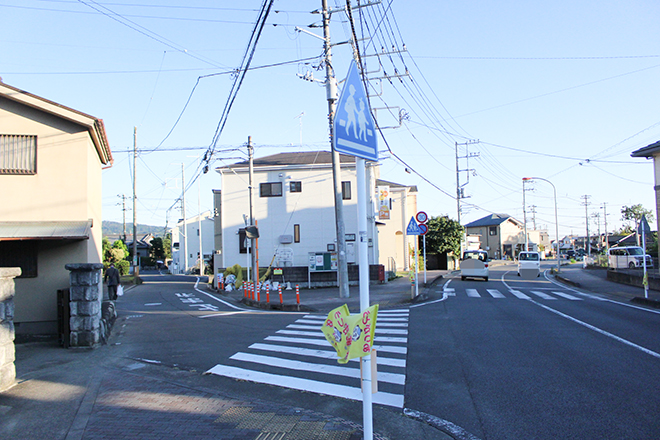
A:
[529, 261]
[627, 257]
[474, 264]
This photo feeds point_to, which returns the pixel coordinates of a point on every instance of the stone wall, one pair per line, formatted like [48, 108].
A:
[86, 295]
[7, 349]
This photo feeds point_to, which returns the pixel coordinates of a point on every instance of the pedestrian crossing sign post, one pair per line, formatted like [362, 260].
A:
[354, 127]
[414, 229]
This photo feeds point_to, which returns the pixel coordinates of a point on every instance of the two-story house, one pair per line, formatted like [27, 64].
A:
[293, 205]
[51, 157]
[499, 234]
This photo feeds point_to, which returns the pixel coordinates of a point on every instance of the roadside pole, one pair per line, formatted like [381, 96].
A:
[363, 258]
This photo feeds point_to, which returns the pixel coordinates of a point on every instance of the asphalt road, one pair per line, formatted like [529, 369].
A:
[254, 355]
[514, 358]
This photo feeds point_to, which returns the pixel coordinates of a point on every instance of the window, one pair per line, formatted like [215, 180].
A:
[492, 230]
[346, 190]
[21, 254]
[18, 154]
[270, 189]
[350, 237]
[296, 233]
[295, 187]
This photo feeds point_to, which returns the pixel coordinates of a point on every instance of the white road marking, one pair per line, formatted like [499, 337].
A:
[353, 393]
[567, 296]
[495, 293]
[542, 295]
[472, 293]
[519, 294]
[324, 354]
[598, 330]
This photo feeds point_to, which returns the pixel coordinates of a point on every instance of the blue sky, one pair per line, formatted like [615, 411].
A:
[563, 91]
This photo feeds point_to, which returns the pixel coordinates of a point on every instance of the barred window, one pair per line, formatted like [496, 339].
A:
[18, 154]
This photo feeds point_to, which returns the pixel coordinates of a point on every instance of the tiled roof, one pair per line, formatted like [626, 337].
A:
[491, 220]
[298, 158]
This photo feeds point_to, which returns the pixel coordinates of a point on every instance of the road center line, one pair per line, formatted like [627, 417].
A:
[598, 330]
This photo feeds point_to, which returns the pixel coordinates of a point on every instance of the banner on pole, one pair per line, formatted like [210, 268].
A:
[351, 336]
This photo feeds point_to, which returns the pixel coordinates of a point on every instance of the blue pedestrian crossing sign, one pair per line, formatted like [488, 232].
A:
[413, 228]
[354, 127]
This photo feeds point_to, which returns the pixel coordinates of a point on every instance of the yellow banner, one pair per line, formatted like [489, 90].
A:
[351, 335]
[336, 331]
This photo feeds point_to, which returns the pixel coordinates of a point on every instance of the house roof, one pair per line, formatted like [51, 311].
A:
[287, 159]
[381, 182]
[648, 151]
[93, 125]
[492, 220]
[49, 230]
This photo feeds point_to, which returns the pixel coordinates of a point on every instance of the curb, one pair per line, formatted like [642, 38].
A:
[646, 301]
[567, 281]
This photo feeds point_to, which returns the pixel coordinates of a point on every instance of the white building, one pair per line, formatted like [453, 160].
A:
[293, 205]
[191, 244]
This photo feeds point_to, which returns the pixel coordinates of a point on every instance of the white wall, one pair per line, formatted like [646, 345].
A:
[312, 209]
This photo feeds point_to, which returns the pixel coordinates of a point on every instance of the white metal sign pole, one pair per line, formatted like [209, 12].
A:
[416, 267]
[363, 248]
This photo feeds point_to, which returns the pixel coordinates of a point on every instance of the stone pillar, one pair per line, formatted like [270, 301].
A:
[7, 350]
[86, 296]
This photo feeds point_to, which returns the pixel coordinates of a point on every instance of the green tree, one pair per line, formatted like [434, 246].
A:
[632, 215]
[157, 249]
[167, 245]
[444, 235]
[122, 250]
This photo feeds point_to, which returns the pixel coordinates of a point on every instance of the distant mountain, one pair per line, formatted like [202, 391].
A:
[117, 228]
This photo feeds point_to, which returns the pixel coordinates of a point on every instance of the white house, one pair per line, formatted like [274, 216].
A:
[393, 243]
[293, 205]
[188, 238]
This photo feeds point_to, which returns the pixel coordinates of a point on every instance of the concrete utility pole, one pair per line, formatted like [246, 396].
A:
[202, 266]
[460, 194]
[331, 92]
[253, 241]
[184, 231]
[586, 217]
[136, 266]
[525, 216]
[123, 209]
[607, 238]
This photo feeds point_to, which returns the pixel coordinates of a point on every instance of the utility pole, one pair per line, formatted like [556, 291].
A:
[533, 210]
[136, 266]
[123, 209]
[596, 215]
[253, 241]
[185, 219]
[586, 217]
[607, 238]
[331, 92]
[202, 266]
[525, 217]
[460, 193]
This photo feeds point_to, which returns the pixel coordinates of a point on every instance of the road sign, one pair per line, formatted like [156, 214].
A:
[424, 228]
[354, 127]
[413, 227]
[422, 217]
[644, 226]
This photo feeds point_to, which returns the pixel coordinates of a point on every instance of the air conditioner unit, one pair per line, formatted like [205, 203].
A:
[286, 239]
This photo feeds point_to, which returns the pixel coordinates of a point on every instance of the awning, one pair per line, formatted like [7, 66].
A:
[50, 230]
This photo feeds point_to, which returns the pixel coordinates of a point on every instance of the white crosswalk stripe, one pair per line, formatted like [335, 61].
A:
[472, 293]
[515, 293]
[300, 357]
[495, 293]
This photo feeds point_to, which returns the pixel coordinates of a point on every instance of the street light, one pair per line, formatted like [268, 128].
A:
[556, 218]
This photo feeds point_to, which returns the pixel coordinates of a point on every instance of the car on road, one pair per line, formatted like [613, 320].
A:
[474, 264]
[627, 257]
[528, 261]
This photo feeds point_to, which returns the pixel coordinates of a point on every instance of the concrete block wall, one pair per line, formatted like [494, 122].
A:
[7, 349]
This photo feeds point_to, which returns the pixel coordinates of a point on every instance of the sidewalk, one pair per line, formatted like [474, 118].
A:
[393, 294]
[104, 394]
[595, 280]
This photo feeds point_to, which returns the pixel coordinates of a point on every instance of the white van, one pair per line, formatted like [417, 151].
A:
[627, 257]
[474, 264]
[528, 261]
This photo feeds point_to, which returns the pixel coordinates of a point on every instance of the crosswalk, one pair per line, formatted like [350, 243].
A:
[548, 294]
[300, 357]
